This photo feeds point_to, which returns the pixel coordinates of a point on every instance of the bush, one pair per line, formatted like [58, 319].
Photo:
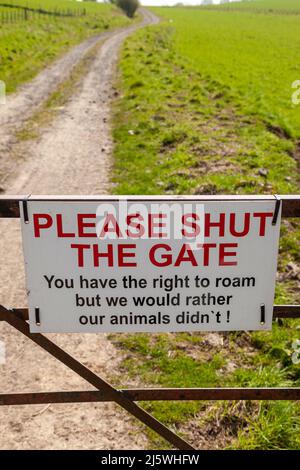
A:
[129, 6]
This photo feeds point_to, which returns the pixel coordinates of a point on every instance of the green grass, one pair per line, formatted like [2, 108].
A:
[188, 123]
[254, 57]
[276, 427]
[26, 47]
[263, 6]
[192, 124]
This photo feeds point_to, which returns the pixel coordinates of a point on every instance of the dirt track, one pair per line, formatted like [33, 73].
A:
[72, 156]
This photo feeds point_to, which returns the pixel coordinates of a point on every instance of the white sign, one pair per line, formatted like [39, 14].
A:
[152, 265]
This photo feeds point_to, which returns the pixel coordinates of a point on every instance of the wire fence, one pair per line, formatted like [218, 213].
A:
[16, 13]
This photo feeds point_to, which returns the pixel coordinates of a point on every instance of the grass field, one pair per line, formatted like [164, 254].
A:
[262, 6]
[27, 46]
[254, 57]
[206, 109]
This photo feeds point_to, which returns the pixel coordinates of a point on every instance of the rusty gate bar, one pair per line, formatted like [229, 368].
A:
[152, 394]
[99, 383]
[286, 311]
[279, 311]
[9, 205]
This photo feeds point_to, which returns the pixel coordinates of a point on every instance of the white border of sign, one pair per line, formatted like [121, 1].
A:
[251, 309]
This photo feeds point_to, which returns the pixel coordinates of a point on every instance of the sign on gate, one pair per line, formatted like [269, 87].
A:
[176, 264]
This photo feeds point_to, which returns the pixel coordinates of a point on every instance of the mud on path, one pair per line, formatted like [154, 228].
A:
[72, 156]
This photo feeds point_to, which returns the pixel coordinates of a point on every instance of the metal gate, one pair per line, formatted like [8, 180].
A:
[127, 398]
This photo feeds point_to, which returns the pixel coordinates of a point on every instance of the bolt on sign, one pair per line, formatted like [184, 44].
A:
[150, 264]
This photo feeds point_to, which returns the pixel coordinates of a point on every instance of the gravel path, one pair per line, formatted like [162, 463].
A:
[72, 156]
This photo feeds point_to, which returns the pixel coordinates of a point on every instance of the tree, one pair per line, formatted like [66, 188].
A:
[129, 6]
